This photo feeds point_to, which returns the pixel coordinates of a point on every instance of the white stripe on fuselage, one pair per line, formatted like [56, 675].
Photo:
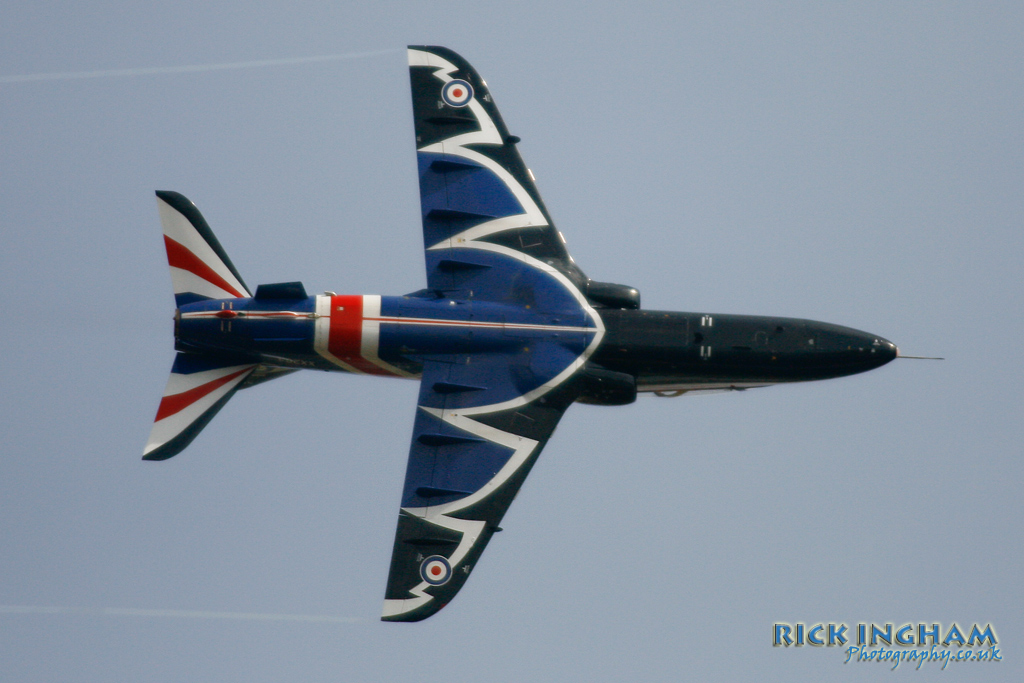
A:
[441, 322]
[370, 340]
[371, 323]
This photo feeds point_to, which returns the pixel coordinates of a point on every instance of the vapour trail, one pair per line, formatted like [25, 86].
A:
[193, 68]
[175, 613]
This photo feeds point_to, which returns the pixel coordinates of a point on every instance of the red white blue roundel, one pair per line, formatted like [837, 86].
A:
[457, 93]
[435, 570]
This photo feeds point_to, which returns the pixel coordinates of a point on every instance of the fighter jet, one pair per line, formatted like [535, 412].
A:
[507, 334]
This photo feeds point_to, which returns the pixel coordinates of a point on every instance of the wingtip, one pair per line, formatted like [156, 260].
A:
[155, 457]
[410, 610]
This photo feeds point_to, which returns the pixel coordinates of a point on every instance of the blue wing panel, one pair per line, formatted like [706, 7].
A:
[446, 463]
[457, 194]
[480, 274]
[480, 175]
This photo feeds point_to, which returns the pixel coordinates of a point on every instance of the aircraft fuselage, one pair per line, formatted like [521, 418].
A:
[664, 351]
[669, 351]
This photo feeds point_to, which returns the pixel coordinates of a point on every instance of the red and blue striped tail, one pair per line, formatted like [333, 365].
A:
[198, 387]
[200, 268]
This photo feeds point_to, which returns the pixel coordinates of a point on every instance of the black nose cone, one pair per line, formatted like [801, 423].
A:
[870, 351]
[888, 350]
[884, 351]
[838, 351]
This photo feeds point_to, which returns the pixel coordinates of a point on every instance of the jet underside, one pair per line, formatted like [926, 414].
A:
[507, 334]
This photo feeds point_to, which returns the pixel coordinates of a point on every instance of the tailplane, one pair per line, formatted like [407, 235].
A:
[198, 387]
[200, 268]
[200, 383]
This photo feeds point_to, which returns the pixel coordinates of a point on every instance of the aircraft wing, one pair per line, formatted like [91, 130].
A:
[483, 416]
[475, 190]
[466, 464]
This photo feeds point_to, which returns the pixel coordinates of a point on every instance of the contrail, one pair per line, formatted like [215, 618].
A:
[175, 613]
[193, 68]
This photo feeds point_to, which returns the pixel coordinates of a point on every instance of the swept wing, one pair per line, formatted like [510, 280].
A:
[483, 416]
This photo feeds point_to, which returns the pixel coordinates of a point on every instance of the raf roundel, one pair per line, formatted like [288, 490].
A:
[457, 93]
[435, 570]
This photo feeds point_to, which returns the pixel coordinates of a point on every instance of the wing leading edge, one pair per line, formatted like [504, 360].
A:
[483, 416]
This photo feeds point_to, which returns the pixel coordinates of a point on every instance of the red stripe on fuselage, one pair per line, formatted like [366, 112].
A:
[179, 256]
[346, 335]
[175, 403]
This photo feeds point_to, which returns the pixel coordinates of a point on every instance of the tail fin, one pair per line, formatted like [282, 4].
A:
[200, 268]
[199, 384]
[198, 387]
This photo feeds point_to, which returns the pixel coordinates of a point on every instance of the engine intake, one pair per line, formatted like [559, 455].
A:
[606, 387]
[612, 295]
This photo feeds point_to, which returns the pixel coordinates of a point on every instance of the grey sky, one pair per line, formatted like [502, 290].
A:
[860, 164]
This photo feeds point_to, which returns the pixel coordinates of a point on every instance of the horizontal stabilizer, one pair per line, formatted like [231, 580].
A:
[200, 268]
[198, 387]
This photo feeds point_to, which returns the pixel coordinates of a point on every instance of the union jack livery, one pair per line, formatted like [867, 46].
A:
[507, 334]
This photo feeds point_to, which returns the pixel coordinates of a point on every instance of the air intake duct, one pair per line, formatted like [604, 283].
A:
[606, 387]
[612, 295]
